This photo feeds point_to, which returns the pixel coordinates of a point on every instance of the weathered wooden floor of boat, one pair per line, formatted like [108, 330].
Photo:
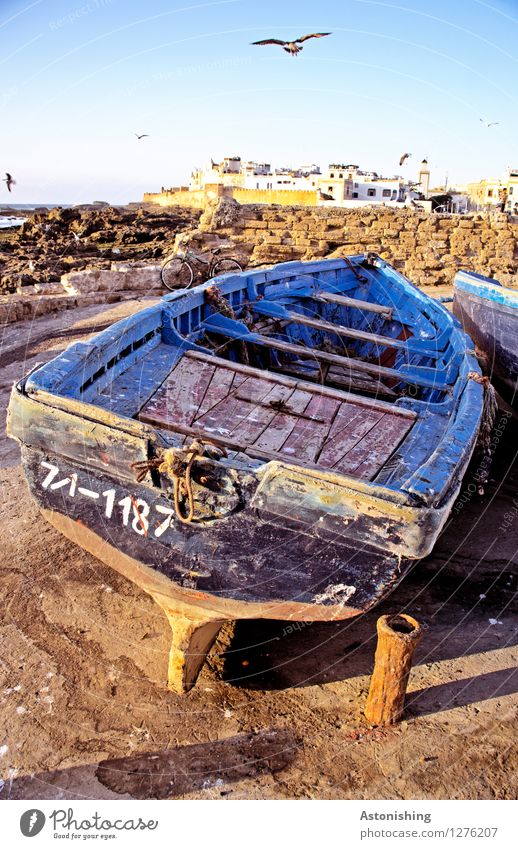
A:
[270, 415]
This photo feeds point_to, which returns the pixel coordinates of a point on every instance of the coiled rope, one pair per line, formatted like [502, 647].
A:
[176, 463]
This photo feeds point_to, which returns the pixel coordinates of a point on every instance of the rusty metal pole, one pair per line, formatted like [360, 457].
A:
[398, 637]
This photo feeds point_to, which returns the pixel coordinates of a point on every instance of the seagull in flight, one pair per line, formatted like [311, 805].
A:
[292, 47]
[489, 123]
[9, 180]
[142, 135]
[404, 158]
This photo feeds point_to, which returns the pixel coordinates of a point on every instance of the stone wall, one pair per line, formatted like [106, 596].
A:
[427, 248]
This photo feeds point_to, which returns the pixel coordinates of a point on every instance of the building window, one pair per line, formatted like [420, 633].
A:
[371, 193]
[510, 190]
[490, 193]
[386, 193]
[332, 176]
[329, 188]
[355, 194]
[356, 185]
[341, 176]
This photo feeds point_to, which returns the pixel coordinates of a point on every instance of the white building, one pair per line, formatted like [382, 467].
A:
[349, 186]
[340, 185]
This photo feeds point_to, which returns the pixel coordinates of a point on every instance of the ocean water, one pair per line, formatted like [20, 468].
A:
[6, 222]
[29, 206]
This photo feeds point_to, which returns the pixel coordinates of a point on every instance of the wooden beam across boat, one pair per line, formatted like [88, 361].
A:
[409, 346]
[342, 300]
[305, 385]
[231, 329]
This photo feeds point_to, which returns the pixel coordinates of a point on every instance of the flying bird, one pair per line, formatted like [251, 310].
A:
[489, 123]
[292, 47]
[142, 135]
[9, 180]
[404, 158]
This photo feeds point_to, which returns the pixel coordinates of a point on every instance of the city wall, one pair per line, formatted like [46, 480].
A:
[427, 248]
[212, 192]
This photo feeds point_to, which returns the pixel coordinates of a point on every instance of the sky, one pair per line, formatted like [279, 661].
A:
[80, 77]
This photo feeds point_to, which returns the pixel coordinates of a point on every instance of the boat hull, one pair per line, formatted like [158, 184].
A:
[316, 499]
[493, 327]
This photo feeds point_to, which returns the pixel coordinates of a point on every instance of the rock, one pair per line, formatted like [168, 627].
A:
[222, 213]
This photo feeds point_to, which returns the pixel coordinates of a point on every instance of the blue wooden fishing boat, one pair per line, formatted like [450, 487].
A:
[281, 443]
[489, 313]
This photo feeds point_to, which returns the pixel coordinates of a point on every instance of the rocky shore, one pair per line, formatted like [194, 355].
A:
[53, 243]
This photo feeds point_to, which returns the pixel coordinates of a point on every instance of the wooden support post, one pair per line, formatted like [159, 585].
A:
[192, 639]
[398, 637]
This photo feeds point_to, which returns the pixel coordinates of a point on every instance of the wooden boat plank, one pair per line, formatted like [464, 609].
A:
[222, 382]
[180, 396]
[127, 393]
[258, 416]
[403, 342]
[370, 453]
[307, 437]
[225, 441]
[224, 417]
[282, 424]
[349, 428]
[364, 382]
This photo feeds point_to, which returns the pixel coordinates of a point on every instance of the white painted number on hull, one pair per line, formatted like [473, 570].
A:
[134, 512]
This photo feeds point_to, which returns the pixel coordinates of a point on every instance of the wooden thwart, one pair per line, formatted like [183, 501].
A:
[348, 332]
[323, 356]
[344, 301]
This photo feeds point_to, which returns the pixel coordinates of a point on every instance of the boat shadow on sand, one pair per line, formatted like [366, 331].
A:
[165, 774]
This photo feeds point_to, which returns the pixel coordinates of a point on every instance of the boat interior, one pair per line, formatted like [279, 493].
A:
[327, 364]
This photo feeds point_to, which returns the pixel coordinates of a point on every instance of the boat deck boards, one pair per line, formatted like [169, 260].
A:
[268, 415]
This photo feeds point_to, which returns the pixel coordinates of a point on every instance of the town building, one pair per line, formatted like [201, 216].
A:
[344, 185]
[490, 193]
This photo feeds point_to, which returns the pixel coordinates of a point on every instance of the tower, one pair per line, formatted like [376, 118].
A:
[424, 177]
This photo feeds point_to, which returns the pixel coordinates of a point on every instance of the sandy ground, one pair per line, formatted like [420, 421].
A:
[277, 711]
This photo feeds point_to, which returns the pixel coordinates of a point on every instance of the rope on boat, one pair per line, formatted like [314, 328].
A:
[489, 413]
[360, 277]
[177, 463]
[219, 302]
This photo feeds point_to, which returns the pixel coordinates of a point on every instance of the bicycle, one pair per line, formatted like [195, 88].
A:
[178, 271]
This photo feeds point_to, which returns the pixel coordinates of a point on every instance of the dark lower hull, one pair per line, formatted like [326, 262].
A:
[242, 567]
[493, 327]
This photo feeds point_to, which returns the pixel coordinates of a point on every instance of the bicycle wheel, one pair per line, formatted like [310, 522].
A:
[176, 273]
[226, 265]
